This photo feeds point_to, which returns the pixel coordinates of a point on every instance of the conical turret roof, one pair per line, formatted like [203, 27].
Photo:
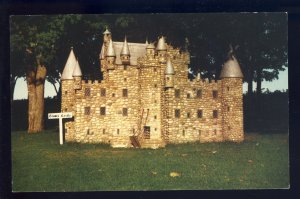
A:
[106, 31]
[110, 50]
[198, 76]
[77, 70]
[169, 68]
[125, 49]
[231, 68]
[161, 45]
[150, 46]
[69, 67]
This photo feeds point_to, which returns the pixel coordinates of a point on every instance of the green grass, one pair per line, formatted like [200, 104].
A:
[39, 163]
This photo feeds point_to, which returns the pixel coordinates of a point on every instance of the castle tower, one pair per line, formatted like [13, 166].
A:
[232, 101]
[125, 53]
[161, 50]
[106, 38]
[150, 51]
[198, 77]
[68, 92]
[77, 75]
[67, 83]
[169, 75]
[110, 56]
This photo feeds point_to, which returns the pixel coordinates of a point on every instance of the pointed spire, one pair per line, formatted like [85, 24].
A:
[231, 68]
[150, 46]
[77, 70]
[69, 67]
[125, 49]
[106, 31]
[169, 68]
[110, 51]
[146, 41]
[161, 45]
[198, 76]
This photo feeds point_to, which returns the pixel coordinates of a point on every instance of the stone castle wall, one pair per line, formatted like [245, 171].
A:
[189, 111]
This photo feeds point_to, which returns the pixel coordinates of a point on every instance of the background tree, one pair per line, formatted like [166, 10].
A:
[33, 49]
[40, 45]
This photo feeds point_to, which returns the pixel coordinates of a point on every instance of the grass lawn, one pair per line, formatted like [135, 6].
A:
[39, 163]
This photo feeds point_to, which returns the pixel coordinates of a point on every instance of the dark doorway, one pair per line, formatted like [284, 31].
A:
[147, 132]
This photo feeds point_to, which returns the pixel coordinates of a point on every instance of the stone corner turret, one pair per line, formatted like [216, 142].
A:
[125, 53]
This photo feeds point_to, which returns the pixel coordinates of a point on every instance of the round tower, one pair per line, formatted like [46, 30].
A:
[169, 75]
[106, 37]
[150, 50]
[77, 75]
[161, 50]
[125, 53]
[110, 56]
[232, 100]
[67, 84]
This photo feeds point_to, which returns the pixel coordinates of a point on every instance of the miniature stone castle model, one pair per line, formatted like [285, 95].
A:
[146, 99]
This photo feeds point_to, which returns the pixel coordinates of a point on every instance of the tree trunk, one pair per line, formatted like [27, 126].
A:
[35, 84]
[259, 80]
[250, 87]
[30, 78]
[39, 106]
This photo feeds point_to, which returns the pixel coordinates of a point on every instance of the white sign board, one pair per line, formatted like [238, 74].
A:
[60, 116]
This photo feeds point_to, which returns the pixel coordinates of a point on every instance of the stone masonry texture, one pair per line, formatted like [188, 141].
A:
[133, 100]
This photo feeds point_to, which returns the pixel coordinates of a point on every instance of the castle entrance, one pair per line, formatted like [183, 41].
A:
[147, 132]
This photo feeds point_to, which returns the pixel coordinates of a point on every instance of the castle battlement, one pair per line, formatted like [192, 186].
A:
[146, 99]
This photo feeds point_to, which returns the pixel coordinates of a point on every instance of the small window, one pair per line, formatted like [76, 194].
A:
[154, 69]
[228, 108]
[155, 116]
[66, 92]
[168, 78]
[215, 131]
[183, 132]
[87, 92]
[215, 114]
[229, 128]
[215, 94]
[146, 132]
[155, 85]
[125, 92]
[118, 131]
[188, 115]
[155, 101]
[102, 110]
[188, 96]
[113, 95]
[87, 110]
[199, 113]
[103, 131]
[125, 79]
[199, 94]
[227, 88]
[103, 92]
[125, 112]
[177, 113]
[66, 109]
[177, 93]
